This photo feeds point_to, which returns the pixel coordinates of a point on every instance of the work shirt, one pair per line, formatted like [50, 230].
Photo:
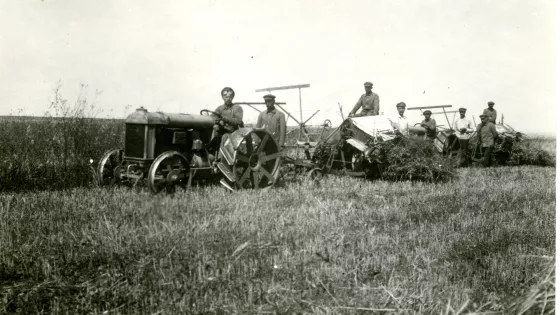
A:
[368, 103]
[232, 116]
[400, 123]
[430, 127]
[274, 122]
[492, 114]
[487, 134]
[463, 123]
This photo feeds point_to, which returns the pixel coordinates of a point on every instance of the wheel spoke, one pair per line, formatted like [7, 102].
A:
[255, 179]
[242, 157]
[245, 176]
[267, 174]
[249, 144]
[269, 157]
[262, 144]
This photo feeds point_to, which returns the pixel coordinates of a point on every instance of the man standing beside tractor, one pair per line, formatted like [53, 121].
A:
[463, 130]
[273, 120]
[400, 122]
[487, 134]
[491, 112]
[369, 102]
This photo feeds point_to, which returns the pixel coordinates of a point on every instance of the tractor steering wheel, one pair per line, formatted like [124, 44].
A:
[327, 123]
[209, 112]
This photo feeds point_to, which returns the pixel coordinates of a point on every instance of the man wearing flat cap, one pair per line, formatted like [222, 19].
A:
[231, 117]
[429, 124]
[400, 122]
[463, 130]
[487, 135]
[273, 120]
[491, 112]
[369, 102]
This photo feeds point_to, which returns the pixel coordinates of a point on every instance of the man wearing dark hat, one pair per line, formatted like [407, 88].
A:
[369, 102]
[400, 122]
[487, 135]
[231, 117]
[463, 130]
[491, 112]
[273, 120]
[429, 124]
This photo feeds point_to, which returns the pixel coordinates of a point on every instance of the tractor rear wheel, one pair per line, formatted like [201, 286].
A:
[250, 158]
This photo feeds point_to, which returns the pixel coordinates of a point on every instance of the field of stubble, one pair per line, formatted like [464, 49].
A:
[479, 244]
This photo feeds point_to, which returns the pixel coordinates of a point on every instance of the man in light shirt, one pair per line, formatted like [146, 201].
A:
[463, 130]
[400, 122]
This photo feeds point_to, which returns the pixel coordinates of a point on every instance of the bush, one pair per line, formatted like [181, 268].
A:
[55, 151]
[414, 159]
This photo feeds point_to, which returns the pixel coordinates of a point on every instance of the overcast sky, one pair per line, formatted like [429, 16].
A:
[173, 55]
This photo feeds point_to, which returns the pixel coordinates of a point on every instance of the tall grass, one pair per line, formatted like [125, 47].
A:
[54, 151]
[480, 243]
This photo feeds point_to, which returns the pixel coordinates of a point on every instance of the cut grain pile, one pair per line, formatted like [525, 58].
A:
[531, 152]
[415, 159]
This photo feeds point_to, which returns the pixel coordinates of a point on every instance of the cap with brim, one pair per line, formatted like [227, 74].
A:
[490, 103]
[269, 97]
[368, 84]
[462, 109]
[427, 112]
[401, 104]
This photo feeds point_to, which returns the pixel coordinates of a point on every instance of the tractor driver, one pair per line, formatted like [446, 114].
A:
[231, 117]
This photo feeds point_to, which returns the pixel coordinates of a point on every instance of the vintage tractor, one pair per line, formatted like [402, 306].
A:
[167, 150]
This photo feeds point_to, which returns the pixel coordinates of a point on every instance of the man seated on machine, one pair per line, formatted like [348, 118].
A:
[230, 118]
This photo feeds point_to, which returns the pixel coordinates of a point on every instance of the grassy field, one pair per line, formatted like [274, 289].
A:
[480, 243]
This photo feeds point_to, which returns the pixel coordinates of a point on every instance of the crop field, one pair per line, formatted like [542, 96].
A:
[482, 243]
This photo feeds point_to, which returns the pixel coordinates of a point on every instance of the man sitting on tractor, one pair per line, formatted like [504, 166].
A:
[369, 102]
[430, 125]
[229, 119]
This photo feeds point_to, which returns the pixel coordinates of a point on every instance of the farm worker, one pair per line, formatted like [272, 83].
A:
[487, 135]
[400, 122]
[231, 114]
[273, 120]
[429, 124]
[491, 112]
[464, 129]
[231, 118]
[369, 102]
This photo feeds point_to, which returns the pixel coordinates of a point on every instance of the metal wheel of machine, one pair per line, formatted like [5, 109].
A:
[250, 158]
[167, 170]
[108, 167]
[315, 175]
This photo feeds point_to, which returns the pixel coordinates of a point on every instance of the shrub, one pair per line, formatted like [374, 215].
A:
[530, 152]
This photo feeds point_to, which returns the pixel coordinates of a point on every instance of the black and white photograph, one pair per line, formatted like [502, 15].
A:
[278, 157]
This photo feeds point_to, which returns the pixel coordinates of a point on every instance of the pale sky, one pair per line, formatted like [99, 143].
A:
[176, 56]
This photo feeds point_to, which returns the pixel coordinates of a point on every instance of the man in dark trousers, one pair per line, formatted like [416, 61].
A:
[487, 135]
[491, 112]
[369, 102]
[429, 124]
[273, 120]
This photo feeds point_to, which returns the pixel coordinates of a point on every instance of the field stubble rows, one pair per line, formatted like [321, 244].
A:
[347, 245]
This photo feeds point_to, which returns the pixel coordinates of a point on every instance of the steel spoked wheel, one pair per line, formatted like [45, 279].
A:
[107, 172]
[250, 158]
[315, 175]
[168, 170]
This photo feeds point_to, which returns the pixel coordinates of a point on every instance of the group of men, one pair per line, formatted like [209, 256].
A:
[230, 117]
[485, 132]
